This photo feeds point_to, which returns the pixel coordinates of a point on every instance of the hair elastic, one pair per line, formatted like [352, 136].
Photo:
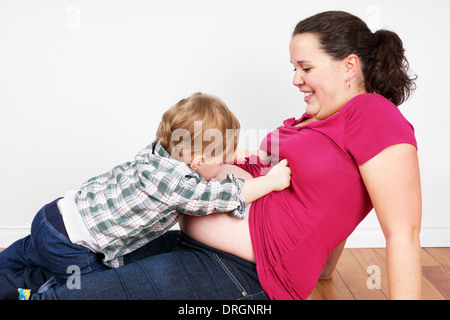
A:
[375, 39]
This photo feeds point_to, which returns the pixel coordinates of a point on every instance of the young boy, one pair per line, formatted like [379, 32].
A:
[118, 212]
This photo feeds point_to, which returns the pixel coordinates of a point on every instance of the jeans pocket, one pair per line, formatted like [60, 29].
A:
[230, 275]
[58, 254]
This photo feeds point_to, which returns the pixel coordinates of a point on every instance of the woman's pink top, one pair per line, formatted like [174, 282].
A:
[294, 231]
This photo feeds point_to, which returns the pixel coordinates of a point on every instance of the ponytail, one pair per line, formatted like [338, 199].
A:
[387, 74]
[384, 65]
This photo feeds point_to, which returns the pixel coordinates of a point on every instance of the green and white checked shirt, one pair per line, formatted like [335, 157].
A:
[137, 201]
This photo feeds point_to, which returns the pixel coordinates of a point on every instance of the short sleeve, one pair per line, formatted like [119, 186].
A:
[254, 166]
[373, 123]
[196, 196]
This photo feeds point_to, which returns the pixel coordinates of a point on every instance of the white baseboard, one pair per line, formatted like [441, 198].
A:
[374, 238]
[10, 234]
[361, 238]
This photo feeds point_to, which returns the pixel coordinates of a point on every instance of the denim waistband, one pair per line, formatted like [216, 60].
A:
[188, 242]
[55, 218]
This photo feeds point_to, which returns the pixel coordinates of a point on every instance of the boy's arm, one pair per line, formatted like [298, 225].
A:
[230, 195]
[277, 179]
[200, 197]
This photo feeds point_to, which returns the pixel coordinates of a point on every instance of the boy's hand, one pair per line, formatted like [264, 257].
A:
[277, 179]
[281, 174]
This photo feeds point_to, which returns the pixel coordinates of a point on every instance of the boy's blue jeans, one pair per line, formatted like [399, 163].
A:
[46, 251]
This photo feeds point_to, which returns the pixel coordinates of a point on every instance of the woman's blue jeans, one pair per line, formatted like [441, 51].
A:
[187, 269]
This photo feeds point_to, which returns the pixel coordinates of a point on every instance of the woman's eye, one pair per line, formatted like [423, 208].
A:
[304, 69]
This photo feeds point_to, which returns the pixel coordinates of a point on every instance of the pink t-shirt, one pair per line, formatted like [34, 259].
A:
[294, 231]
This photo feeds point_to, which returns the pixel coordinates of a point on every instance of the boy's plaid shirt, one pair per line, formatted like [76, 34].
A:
[137, 201]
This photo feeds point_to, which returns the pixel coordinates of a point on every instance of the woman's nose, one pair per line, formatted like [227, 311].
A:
[298, 79]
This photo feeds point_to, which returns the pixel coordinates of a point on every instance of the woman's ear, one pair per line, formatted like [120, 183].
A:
[352, 65]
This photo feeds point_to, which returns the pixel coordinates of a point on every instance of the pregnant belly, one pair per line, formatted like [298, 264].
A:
[221, 231]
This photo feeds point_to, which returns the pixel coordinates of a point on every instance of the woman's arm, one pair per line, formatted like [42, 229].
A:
[392, 179]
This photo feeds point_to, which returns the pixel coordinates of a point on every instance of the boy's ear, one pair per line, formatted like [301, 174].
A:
[197, 161]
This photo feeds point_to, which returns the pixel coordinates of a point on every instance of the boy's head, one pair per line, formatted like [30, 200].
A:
[201, 131]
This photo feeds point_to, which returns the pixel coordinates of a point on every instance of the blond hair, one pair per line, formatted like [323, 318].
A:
[199, 123]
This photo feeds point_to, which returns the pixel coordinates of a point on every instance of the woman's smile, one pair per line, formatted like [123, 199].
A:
[308, 95]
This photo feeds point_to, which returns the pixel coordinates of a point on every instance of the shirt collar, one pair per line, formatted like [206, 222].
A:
[292, 121]
[159, 150]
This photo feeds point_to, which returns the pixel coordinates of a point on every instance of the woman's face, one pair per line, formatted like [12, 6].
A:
[321, 78]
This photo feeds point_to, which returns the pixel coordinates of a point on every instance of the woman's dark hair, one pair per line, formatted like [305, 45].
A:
[384, 65]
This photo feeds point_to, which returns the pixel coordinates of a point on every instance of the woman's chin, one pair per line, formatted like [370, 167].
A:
[312, 110]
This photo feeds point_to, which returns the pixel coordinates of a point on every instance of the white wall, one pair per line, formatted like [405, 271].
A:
[83, 84]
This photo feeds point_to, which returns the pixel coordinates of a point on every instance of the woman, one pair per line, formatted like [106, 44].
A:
[351, 149]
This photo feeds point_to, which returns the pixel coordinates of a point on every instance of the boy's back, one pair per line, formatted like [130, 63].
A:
[136, 201]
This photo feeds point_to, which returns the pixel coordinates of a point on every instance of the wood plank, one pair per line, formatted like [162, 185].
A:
[440, 254]
[427, 259]
[370, 258]
[355, 277]
[429, 291]
[334, 288]
[440, 278]
[331, 289]
[315, 295]
[381, 252]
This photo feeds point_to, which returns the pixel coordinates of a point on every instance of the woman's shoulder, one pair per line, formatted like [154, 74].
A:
[371, 109]
[368, 104]
[373, 123]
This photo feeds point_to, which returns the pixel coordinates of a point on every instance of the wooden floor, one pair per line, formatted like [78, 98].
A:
[350, 279]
